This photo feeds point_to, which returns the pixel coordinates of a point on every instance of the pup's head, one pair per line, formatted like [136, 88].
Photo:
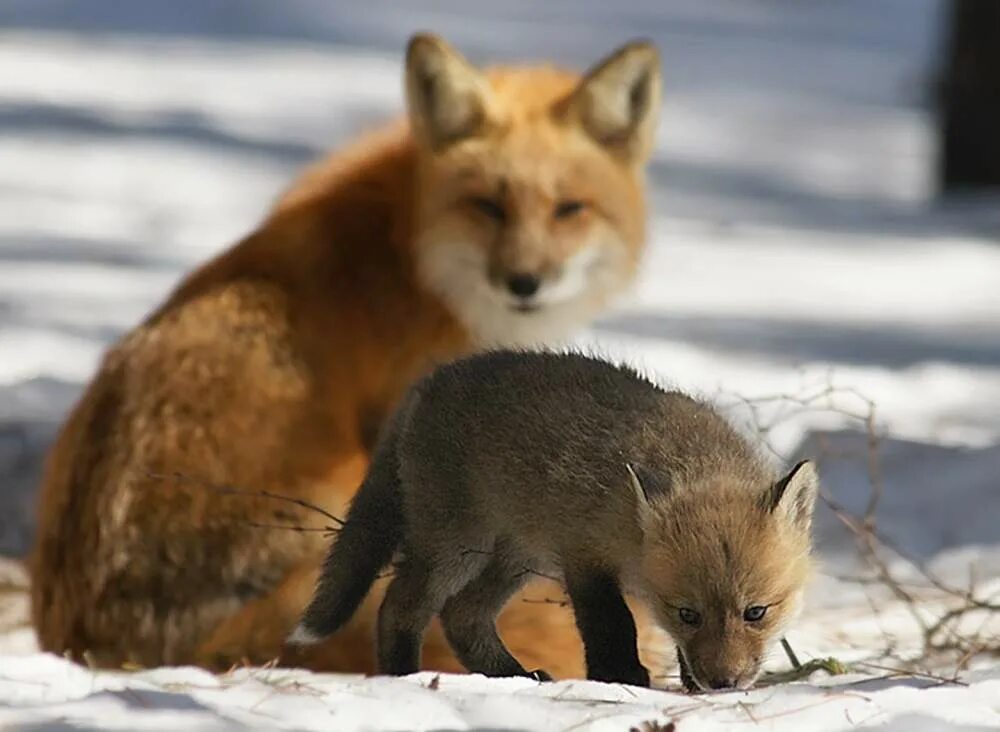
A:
[725, 567]
[530, 210]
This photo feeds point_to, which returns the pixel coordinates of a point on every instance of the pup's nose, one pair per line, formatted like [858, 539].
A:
[720, 683]
[523, 285]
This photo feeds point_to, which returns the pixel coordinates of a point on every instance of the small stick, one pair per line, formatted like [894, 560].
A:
[793, 659]
[917, 674]
[292, 527]
[232, 490]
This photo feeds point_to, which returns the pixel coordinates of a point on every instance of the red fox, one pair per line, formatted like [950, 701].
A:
[507, 210]
[511, 463]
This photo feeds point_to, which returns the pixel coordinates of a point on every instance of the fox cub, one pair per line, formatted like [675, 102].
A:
[508, 209]
[513, 463]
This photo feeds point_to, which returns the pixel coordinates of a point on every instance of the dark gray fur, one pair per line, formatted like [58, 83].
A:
[509, 463]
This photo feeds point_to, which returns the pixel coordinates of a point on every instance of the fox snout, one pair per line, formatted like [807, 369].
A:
[714, 671]
[523, 284]
[527, 282]
[524, 287]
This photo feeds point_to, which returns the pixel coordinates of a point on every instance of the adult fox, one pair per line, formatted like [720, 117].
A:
[507, 211]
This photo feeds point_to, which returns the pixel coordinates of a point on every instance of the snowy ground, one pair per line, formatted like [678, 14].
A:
[797, 251]
[51, 694]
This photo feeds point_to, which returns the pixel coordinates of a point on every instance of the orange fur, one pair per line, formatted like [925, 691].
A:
[739, 556]
[272, 367]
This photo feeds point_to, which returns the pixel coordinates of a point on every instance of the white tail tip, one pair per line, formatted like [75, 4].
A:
[302, 636]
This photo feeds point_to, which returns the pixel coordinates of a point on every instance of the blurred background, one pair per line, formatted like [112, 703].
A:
[805, 265]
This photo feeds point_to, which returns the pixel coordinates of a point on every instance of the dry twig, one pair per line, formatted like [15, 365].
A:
[940, 632]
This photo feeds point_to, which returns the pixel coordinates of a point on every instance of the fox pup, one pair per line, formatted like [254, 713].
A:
[512, 463]
[508, 209]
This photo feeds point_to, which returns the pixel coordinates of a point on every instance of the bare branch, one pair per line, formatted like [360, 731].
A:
[939, 628]
[225, 489]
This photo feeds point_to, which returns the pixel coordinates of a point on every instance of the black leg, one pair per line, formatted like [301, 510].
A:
[413, 597]
[469, 620]
[607, 628]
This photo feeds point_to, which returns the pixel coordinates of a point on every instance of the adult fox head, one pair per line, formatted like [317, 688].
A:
[530, 210]
[725, 567]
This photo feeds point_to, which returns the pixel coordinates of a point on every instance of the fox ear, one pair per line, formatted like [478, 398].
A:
[445, 95]
[793, 498]
[618, 101]
[646, 485]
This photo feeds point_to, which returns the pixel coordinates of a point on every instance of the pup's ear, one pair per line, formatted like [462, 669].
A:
[646, 486]
[618, 101]
[447, 98]
[793, 498]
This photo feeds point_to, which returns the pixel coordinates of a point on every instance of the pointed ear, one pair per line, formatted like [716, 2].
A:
[793, 498]
[645, 486]
[618, 101]
[641, 497]
[445, 95]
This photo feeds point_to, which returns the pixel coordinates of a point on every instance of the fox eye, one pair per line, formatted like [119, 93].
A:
[754, 613]
[566, 209]
[689, 616]
[490, 207]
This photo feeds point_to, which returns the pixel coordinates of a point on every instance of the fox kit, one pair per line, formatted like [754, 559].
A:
[508, 209]
[508, 464]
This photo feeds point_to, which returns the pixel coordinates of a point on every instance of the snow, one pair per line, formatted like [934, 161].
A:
[799, 260]
[50, 693]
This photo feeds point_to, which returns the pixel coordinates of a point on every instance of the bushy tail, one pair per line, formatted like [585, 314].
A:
[365, 544]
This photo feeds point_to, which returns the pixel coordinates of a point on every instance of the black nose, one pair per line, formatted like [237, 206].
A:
[722, 683]
[523, 285]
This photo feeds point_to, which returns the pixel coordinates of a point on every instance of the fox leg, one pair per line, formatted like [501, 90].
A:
[534, 625]
[469, 620]
[256, 632]
[607, 627]
[416, 594]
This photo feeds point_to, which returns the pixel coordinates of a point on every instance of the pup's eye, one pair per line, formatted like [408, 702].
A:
[689, 616]
[566, 209]
[490, 207]
[754, 613]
